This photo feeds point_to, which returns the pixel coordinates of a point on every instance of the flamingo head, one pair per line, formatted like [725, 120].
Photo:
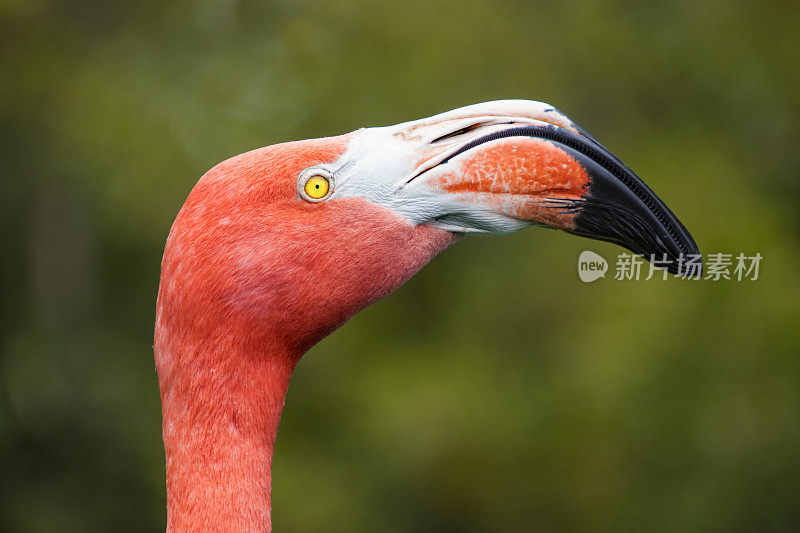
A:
[295, 238]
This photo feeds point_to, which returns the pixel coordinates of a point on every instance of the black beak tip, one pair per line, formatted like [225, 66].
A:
[619, 207]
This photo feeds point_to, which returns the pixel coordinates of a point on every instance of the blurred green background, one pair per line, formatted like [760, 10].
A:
[495, 391]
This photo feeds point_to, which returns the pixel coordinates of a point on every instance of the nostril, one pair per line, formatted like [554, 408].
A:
[465, 130]
[456, 133]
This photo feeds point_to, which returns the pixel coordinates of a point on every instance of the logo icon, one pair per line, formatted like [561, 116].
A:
[591, 266]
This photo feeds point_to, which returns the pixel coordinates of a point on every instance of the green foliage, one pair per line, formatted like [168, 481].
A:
[495, 391]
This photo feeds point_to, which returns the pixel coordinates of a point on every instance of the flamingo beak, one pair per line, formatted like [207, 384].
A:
[501, 166]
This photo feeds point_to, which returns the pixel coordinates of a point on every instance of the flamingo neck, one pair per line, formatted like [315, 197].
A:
[219, 428]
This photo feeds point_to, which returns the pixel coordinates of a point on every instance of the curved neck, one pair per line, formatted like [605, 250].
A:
[220, 420]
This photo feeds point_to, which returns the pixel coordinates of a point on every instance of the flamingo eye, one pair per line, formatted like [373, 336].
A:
[315, 186]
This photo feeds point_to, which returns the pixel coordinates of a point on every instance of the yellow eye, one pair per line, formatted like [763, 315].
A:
[317, 187]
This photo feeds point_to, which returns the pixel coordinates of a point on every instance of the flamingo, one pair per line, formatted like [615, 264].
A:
[277, 247]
